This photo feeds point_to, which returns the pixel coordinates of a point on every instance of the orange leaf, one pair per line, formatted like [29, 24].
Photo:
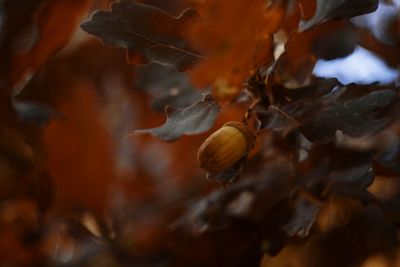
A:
[235, 42]
[56, 22]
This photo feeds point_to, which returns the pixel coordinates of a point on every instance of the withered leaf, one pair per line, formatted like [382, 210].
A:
[264, 192]
[353, 118]
[340, 43]
[352, 182]
[340, 171]
[167, 86]
[194, 119]
[318, 88]
[53, 24]
[319, 119]
[302, 219]
[332, 9]
[148, 33]
[277, 119]
[360, 176]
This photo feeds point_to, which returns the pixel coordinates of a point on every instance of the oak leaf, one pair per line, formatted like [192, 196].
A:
[319, 119]
[148, 33]
[194, 119]
[56, 22]
[166, 86]
[234, 49]
[332, 9]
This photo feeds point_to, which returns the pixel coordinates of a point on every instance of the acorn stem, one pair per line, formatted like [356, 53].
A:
[249, 110]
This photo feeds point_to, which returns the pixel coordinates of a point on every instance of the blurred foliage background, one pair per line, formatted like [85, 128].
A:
[77, 189]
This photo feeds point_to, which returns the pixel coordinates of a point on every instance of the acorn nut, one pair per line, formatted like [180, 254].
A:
[225, 147]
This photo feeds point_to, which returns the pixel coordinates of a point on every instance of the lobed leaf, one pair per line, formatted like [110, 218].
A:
[234, 50]
[352, 118]
[341, 171]
[55, 23]
[263, 194]
[331, 9]
[167, 86]
[318, 119]
[194, 119]
[148, 33]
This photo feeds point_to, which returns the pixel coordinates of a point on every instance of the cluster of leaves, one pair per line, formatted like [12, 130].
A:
[320, 188]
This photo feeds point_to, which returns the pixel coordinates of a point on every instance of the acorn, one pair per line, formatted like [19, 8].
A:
[225, 147]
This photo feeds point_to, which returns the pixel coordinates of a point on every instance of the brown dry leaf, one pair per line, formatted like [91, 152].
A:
[235, 44]
[148, 33]
[80, 153]
[194, 119]
[388, 52]
[56, 22]
[327, 10]
[294, 67]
